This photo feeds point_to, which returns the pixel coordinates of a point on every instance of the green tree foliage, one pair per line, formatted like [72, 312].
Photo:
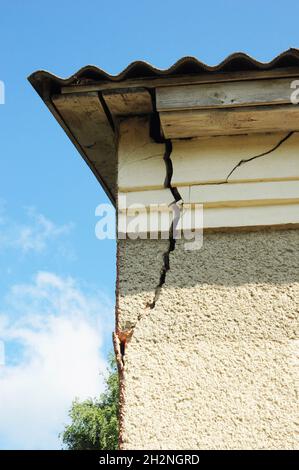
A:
[94, 422]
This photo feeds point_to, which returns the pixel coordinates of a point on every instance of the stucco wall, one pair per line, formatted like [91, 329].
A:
[214, 364]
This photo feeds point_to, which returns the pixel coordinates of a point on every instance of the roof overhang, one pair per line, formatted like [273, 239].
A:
[190, 99]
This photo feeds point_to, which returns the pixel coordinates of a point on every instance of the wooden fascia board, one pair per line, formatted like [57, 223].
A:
[123, 102]
[183, 115]
[225, 95]
[230, 121]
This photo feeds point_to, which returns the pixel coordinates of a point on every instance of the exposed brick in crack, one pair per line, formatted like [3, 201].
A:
[120, 340]
[263, 154]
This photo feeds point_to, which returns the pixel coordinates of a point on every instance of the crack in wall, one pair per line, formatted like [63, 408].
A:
[122, 337]
[263, 154]
[176, 217]
[120, 341]
[166, 255]
[176, 208]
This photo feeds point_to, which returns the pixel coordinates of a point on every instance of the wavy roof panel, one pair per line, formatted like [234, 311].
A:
[185, 66]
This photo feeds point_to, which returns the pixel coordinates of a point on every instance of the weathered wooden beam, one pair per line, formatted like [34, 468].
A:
[220, 95]
[91, 132]
[213, 122]
[128, 101]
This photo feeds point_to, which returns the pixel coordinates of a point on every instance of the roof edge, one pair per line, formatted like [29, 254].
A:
[237, 61]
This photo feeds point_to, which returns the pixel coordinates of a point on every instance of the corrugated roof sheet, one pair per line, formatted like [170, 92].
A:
[185, 66]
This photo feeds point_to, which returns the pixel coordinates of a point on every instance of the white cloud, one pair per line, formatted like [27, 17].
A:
[60, 329]
[34, 235]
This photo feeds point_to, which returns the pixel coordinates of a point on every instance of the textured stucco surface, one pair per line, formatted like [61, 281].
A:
[139, 273]
[214, 365]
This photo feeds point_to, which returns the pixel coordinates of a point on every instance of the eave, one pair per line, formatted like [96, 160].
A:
[89, 104]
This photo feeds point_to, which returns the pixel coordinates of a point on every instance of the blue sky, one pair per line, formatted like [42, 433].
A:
[57, 279]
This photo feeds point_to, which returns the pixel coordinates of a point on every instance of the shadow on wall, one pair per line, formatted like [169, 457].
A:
[226, 259]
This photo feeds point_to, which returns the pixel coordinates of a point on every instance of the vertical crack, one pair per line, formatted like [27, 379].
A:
[169, 171]
[166, 255]
[122, 337]
[176, 217]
